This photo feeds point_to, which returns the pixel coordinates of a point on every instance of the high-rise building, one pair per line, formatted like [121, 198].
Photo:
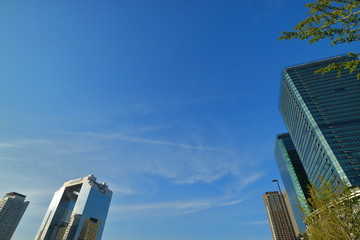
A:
[78, 210]
[294, 178]
[322, 114]
[278, 216]
[12, 208]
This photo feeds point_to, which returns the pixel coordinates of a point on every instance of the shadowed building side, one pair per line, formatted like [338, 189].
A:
[12, 208]
[294, 178]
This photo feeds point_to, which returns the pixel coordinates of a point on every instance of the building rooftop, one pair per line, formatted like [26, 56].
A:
[15, 194]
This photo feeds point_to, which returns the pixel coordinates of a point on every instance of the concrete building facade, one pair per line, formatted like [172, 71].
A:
[278, 216]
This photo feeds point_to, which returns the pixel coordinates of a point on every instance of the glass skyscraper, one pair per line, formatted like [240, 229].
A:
[294, 177]
[12, 208]
[78, 210]
[322, 114]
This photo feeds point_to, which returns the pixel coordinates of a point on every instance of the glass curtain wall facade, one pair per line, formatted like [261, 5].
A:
[294, 177]
[12, 208]
[78, 210]
[321, 113]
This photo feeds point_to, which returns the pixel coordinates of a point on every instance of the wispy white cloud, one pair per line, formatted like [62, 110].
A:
[181, 207]
[262, 222]
[203, 176]
[121, 136]
[180, 145]
[12, 159]
[20, 143]
[234, 202]
[252, 178]
[186, 164]
[116, 188]
[7, 145]
[145, 129]
[162, 205]
[117, 156]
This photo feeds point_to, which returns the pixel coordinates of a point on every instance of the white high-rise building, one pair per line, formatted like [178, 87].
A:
[12, 208]
[78, 210]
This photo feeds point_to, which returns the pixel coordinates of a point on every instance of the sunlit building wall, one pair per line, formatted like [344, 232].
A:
[291, 213]
[12, 208]
[78, 210]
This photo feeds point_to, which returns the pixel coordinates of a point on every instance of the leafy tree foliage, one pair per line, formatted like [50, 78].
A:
[332, 215]
[335, 20]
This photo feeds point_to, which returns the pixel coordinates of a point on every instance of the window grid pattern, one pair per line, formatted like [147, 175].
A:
[12, 208]
[278, 216]
[322, 114]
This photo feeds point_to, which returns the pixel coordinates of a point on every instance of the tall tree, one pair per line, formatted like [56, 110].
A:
[332, 215]
[335, 20]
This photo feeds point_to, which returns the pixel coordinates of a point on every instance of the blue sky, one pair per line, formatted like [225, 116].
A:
[172, 103]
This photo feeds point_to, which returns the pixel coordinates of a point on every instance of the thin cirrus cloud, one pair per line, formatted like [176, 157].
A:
[206, 176]
[255, 223]
[183, 165]
[208, 163]
[180, 145]
[21, 143]
[203, 164]
[124, 190]
[122, 137]
[177, 164]
[11, 159]
[182, 207]
[7, 145]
